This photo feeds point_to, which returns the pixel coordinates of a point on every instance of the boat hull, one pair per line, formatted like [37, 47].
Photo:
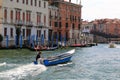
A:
[78, 45]
[58, 59]
[111, 45]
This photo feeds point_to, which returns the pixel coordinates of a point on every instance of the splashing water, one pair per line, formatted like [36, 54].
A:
[3, 64]
[117, 46]
[22, 71]
[69, 63]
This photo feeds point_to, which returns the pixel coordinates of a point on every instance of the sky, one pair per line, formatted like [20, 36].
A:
[100, 9]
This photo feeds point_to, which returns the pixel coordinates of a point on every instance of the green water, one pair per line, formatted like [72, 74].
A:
[91, 63]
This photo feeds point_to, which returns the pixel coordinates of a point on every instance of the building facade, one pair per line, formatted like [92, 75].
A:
[24, 18]
[67, 20]
[86, 36]
[106, 30]
[53, 18]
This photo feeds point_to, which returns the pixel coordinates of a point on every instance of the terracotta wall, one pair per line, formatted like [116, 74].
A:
[66, 10]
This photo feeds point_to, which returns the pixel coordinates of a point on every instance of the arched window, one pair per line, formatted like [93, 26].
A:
[44, 4]
[17, 0]
[5, 14]
[23, 1]
[35, 2]
[73, 26]
[39, 3]
[11, 15]
[31, 2]
[26, 2]
[44, 19]
[23, 16]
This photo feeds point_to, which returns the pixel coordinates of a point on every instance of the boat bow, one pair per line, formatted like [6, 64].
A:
[71, 51]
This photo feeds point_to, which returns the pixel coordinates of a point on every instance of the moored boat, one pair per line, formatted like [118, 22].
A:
[43, 48]
[58, 59]
[78, 45]
[112, 45]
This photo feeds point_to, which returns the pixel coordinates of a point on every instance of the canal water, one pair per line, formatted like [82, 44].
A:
[90, 63]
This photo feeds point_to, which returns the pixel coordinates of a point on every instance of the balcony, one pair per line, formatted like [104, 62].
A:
[29, 24]
[5, 21]
[19, 22]
[40, 25]
[86, 31]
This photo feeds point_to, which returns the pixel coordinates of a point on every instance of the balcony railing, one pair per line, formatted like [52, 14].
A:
[40, 25]
[5, 21]
[29, 24]
[19, 22]
[85, 31]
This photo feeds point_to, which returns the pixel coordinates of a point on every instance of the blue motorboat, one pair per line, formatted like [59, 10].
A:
[58, 59]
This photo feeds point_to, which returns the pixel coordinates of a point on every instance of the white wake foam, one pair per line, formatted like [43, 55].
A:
[117, 46]
[69, 63]
[22, 71]
[3, 64]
